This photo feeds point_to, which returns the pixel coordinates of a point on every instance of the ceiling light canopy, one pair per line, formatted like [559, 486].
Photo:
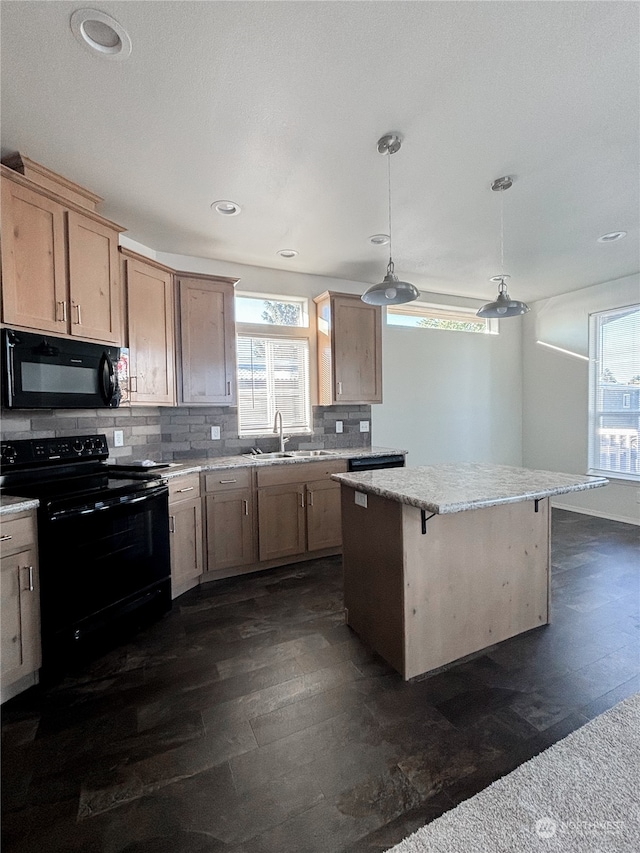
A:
[504, 305]
[101, 34]
[287, 253]
[390, 291]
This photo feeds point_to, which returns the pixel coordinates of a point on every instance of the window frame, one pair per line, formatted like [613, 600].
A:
[280, 332]
[595, 370]
[429, 310]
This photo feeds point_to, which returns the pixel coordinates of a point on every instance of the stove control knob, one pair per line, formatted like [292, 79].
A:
[78, 445]
[8, 454]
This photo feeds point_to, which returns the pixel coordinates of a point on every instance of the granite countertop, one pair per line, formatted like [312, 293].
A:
[179, 469]
[458, 486]
[9, 504]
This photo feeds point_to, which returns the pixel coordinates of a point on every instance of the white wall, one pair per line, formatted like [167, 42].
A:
[451, 396]
[555, 415]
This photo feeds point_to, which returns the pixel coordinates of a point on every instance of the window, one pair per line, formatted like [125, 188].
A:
[422, 315]
[273, 364]
[614, 392]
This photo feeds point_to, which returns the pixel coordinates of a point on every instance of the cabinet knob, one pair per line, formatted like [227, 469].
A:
[62, 304]
[339, 391]
[246, 507]
[228, 389]
[188, 489]
[172, 524]
[133, 384]
[309, 497]
[227, 481]
[78, 314]
[6, 537]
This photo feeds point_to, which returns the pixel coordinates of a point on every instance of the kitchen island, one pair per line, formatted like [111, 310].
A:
[442, 561]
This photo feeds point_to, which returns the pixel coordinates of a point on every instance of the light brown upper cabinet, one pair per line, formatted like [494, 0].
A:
[60, 269]
[206, 340]
[349, 350]
[150, 330]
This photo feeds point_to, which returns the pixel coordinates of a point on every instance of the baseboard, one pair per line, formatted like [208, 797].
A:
[583, 511]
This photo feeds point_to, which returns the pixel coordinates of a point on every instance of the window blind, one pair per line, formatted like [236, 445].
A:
[273, 375]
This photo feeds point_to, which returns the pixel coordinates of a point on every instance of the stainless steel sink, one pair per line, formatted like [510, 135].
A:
[310, 453]
[265, 456]
[287, 454]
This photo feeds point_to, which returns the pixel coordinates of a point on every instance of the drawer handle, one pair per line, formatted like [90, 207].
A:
[172, 524]
[6, 537]
[78, 314]
[227, 481]
[228, 389]
[246, 507]
[339, 387]
[309, 497]
[302, 499]
[188, 489]
[62, 319]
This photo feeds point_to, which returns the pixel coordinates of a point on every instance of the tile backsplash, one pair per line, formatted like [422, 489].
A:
[171, 434]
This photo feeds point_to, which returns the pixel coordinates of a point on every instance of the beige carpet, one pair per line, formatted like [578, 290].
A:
[582, 795]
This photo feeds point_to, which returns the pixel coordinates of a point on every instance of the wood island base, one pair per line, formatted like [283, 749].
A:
[424, 600]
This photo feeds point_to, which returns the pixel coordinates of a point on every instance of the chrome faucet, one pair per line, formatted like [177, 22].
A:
[277, 428]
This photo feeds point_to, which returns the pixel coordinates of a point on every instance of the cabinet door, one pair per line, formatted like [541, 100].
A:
[281, 521]
[357, 343]
[185, 527]
[34, 271]
[207, 342]
[324, 527]
[20, 626]
[229, 529]
[94, 279]
[151, 334]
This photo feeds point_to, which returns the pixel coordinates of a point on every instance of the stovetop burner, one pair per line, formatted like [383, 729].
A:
[67, 468]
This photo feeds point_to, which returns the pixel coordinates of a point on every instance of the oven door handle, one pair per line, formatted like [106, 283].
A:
[128, 500]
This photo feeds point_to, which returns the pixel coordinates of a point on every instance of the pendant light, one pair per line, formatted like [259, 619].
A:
[390, 291]
[504, 306]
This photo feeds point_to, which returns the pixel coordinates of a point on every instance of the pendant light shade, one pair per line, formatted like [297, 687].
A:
[504, 305]
[390, 291]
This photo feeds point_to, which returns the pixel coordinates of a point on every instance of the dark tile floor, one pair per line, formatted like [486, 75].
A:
[251, 719]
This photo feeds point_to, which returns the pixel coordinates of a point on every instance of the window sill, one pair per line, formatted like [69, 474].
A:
[274, 435]
[617, 478]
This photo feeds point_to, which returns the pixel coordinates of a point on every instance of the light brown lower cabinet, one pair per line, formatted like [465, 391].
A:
[185, 533]
[19, 585]
[298, 509]
[230, 520]
[324, 515]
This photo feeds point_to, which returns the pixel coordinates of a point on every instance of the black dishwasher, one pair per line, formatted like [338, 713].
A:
[373, 463]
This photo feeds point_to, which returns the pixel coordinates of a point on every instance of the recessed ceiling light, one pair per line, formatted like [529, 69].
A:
[226, 208]
[379, 239]
[100, 33]
[612, 236]
[287, 253]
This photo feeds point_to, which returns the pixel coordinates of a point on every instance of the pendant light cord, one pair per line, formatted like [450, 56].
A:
[502, 233]
[390, 266]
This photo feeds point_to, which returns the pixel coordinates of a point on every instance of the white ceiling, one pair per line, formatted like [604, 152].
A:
[279, 106]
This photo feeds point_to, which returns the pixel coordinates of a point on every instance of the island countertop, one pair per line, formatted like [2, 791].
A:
[458, 486]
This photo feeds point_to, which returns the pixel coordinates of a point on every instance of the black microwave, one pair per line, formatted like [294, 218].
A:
[44, 372]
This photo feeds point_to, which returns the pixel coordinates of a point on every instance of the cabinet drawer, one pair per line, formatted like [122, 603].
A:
[275, 475]
[16, 534]
[184, 488]
[223, 481]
